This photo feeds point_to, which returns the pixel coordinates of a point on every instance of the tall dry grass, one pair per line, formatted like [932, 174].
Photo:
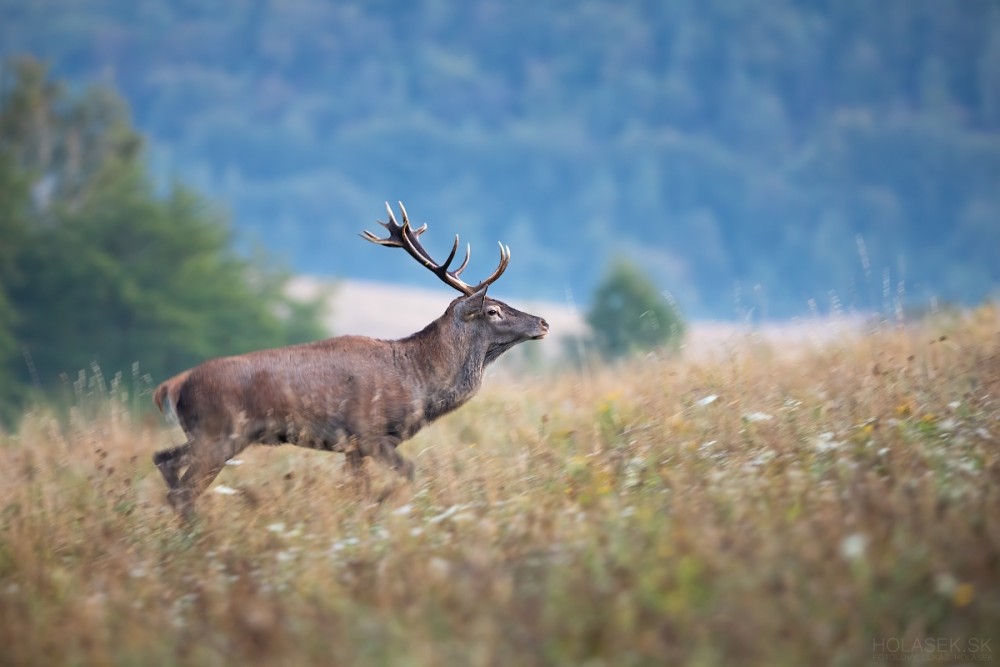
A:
[833, 506]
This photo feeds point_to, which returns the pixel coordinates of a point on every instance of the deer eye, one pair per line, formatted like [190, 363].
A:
[492, 312]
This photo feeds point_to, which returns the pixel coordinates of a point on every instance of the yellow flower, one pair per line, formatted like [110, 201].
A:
[963, 595]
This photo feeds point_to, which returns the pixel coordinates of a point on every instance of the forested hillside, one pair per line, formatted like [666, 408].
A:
[749, 155]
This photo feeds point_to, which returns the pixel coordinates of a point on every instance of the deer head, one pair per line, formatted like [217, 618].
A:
[478, 320]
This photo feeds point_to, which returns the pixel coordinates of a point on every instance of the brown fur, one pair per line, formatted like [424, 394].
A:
[168, 390]
[350, 394]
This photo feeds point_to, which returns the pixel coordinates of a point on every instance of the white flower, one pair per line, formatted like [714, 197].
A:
[758, 417]
[708, 400]
[224, 490]
[763, 456]
[404, 510]
[945, 583]
[853, 546]
[824, 442]
[445, 514]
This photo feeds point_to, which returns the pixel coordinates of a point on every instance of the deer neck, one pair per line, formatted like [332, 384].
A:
[447, 370]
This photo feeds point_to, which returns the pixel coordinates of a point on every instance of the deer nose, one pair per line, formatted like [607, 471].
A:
[545, 325]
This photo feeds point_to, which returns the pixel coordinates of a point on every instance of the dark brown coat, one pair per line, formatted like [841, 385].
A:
[350, 394]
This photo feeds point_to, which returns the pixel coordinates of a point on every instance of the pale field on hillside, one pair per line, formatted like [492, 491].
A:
[835, 501]
[392, 311]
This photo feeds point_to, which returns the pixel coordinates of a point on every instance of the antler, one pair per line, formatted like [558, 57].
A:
[405, 236]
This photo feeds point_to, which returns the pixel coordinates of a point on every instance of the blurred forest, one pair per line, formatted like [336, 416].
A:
[751, 156]
[98, 271]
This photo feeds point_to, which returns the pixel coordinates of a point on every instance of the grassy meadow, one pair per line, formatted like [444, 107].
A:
[834, 504]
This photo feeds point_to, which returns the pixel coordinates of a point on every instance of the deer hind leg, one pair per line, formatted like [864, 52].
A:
[204, 465]
[170, 461]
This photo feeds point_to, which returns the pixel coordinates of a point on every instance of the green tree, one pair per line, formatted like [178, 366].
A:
[628, 314]
[101, 267]
[13, 199]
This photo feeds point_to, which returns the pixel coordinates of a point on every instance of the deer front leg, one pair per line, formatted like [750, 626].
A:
[355, 461]
[385, 451]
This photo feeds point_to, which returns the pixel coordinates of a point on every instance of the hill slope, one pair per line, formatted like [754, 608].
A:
[718, 145]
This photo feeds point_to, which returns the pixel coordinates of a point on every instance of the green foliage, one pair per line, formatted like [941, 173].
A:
[12, 231]
[97, 267]
[628, 314]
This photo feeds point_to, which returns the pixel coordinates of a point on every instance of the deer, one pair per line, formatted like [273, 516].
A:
[350, 394]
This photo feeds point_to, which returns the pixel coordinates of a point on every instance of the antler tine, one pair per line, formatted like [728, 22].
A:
[395, 239]
[468, 253]
[406, 221]
[501, 267]
[451, 255]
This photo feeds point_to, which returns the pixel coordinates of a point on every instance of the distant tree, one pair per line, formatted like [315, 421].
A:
[628, 314]
[97, 266]
[13, 198]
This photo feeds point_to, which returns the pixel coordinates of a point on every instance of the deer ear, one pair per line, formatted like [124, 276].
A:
[472, 305]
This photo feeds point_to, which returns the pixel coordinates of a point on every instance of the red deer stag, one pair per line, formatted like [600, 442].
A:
[350, 394]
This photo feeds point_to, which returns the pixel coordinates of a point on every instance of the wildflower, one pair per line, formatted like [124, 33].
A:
[438, 568]
[758, 417]
[224, 490]
[825, 442]
[948, 424]
[763, 456]
[853, 546]
[451, 511]
[945, 583]
[708, 400]
[963, 595]
[404, 510]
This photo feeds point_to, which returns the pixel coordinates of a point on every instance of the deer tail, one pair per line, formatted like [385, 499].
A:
[159, 395]
[165, 395]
